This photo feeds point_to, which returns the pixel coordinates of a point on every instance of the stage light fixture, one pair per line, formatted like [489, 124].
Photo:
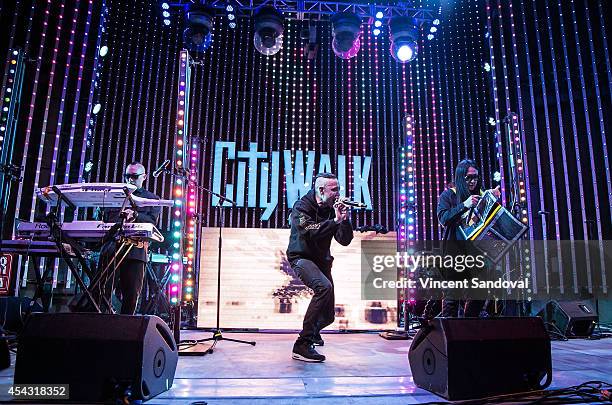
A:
[487, 67]
[166, 14]
[197, 37]
[436, 22]
[404, 33]
[430, 37]
[232, 25]
[346, 28]
[269, 30]
[165, 5]
[379, 15]
[96, 109]
[376, 32]
[378, 23]
[103, 50]
[166, 22]
[433, 30]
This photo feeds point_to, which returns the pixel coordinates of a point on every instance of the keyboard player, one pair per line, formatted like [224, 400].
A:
[130, 274]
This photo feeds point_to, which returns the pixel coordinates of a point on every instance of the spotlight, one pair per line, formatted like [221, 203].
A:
[96, 109]
[165, 6]
[380, 15]
[229, 8]
[436, 22]
[487, 67]
[103, 50]
[232, 25]
[378, 23]
[492, 121]
[166, 22]
[433, 30]
[376, 32]
[269, 30]
[230, 17]
[430, 37]
[404, 33]
[166, 14]
[346, 30]
[198, 34]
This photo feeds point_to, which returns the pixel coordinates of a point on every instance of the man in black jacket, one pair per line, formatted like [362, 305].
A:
[315, 219]
[131, 271]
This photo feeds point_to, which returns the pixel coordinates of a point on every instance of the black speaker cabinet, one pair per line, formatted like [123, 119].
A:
[99, 356]
[570, 318]
[466, 358]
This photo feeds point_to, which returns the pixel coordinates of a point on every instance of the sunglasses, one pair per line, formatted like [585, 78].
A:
[132, 176]
[471, 177]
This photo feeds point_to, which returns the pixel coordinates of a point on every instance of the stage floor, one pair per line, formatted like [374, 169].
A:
[360, 369]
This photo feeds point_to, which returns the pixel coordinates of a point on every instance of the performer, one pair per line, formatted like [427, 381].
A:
[131, 271]
[453, 203]
[316, 218]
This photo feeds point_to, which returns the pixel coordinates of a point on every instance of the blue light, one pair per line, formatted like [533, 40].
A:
[436, 22]
[177, 234]
[376, 32]
[379, 15]
[430, 37]
[232, 25]
[433, 30]
[175, 277]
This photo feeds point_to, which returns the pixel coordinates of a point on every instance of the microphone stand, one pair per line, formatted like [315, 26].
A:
[192, 348]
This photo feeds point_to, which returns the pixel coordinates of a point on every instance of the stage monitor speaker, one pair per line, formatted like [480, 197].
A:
[101, 357]
[468, 358]
[570, 318]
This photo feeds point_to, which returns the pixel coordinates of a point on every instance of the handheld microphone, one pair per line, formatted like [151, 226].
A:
[351, 203]
[161, 168]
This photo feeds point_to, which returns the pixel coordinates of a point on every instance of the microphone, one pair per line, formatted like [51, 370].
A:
[351, 203]
[161, 168]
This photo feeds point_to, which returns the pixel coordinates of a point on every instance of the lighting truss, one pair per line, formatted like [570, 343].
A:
[319, 10]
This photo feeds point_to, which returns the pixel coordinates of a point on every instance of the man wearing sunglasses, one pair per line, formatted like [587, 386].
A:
[131, 271]
[453, 203]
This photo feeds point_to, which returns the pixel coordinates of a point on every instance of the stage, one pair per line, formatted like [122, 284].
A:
[361, 368]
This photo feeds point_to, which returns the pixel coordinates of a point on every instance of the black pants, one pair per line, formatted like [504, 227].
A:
[321, 311]
[129, 277]
[471, 309]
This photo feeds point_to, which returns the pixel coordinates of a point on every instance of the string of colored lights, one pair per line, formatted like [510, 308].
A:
[466, 65]
[181, 226]
[603, 141]
[548, 137]
[602, 128]
[12, 93]
[29, 127]
[7, 66]
[562, 142]
[525, 213]
[585, 222]
[421, 152]
[497, 135]
[576, 148]
[431, 181]
[526, 256]
[476, 54]
[534, 280]
[88, 130]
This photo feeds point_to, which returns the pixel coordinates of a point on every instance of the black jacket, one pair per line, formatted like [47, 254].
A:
[312, 229]
[145, 214]
[450, 210]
